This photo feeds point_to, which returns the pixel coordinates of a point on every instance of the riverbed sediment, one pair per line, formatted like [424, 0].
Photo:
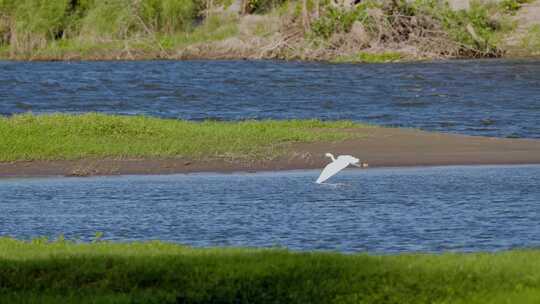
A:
[379, 147]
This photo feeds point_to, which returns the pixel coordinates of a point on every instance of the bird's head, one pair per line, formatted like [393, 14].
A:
[354, 160]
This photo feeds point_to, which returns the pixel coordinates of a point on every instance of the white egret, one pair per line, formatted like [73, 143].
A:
[337, 165]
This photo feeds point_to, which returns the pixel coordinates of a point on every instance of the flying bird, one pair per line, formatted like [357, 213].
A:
[337, 165]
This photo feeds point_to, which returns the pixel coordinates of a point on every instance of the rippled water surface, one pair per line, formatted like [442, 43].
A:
[375, 210]
[493, 98]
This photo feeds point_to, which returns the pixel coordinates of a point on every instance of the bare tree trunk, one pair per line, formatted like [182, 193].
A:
[305, 16]
[209, 7]
[317, 9]
[245, 7]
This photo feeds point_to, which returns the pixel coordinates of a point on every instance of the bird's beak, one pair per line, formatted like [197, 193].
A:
[361, 165]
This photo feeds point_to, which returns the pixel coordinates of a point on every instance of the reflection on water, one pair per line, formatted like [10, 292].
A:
[493, 98]
[376, 210]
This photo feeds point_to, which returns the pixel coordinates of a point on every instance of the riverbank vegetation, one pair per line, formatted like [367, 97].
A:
[63, 136]
[155, 272]
[531, 41]
[270, 29]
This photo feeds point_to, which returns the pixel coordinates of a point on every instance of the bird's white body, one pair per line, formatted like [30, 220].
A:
[336, 165]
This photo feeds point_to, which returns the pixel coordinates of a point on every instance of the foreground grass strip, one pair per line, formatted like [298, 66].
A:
[156, 272]
[61, 136]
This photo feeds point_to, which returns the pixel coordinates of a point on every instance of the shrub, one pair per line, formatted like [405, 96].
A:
[7, 6]
[31, 24]
[334, 20]
[5, 30]
[169, 15]
[531, 41]
[473, 30]
[456, 23]
[36, 22]
[109, 20]
[263, 6]
[430, 24]
[511, 6]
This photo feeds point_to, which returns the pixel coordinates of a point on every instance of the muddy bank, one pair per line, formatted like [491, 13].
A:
[379, 147]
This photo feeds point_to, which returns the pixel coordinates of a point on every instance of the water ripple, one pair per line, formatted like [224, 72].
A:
[376, 210]
[469, 94]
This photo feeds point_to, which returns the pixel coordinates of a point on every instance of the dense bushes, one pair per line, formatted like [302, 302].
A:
[336, 20]
[310, 29]
[427, 23]
[263, 6]
[169, 15]
[474, 29]
[531, 41]
[512, 6]
[31, 24]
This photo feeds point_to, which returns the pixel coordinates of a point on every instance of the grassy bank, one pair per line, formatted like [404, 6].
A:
[62, 136]
[155, 272]
[272, 29]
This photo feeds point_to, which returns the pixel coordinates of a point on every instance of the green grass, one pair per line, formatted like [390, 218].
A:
[4, 51]
[531, 41]
[89, 29]
[156, 272]
[36, 23]
[65, 48]
[512, 6]
[61, 136]
[214, 28]
[365, 57]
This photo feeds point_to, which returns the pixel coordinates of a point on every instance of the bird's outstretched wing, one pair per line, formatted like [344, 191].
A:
[330, 170]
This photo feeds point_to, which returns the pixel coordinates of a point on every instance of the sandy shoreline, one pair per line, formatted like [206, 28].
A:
[380, 147]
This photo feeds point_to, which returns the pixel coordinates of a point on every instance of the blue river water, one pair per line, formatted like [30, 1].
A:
[476, 97]
[476, 208]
